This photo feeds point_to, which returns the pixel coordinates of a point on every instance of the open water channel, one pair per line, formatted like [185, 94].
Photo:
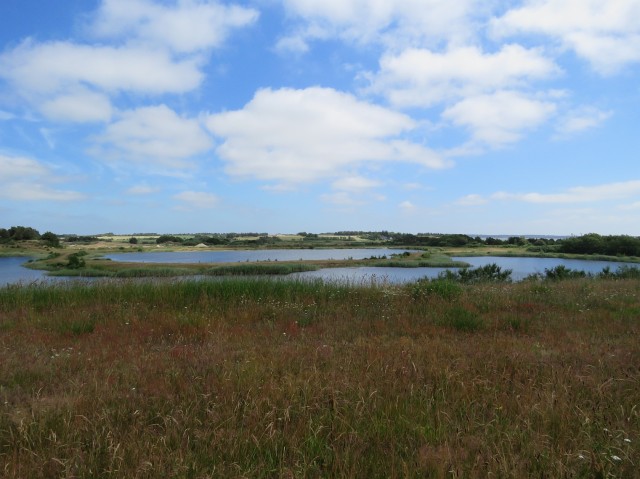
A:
[12, 271]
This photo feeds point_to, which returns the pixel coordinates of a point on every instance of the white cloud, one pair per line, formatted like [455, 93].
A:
[154, 134]
[395, 23]
[48, 68]
[25, 179]
[605, 33]
[80, 106]
[355, 183]
[340, 198]
[197, 199]
[293, 136]
[20, 167]
[578, 194]
[294, 44]
[420, 77]
[184, 26]
[582, 119]
[500, 118]
[407, 206]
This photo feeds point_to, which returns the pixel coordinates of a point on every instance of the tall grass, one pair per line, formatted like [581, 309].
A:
[260, 378]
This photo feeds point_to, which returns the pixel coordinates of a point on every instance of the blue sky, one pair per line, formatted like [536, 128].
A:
[493, 117]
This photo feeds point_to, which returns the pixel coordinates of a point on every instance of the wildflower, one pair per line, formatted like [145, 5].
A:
[616, 458]
[627, 440]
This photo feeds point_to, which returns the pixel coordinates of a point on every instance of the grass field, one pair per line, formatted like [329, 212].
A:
[257, 378]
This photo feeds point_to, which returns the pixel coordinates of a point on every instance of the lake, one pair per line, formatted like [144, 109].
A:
[241, 256]
[521, 268]
[11, 270]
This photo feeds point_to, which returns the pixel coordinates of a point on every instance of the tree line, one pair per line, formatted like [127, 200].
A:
[592, 243]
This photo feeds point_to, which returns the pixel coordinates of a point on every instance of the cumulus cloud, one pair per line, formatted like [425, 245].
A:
[25, 179]
[582, 119]
[606, 34]
[79, 106]
[47, 68]
[355, 183]
[394, 23]
[156, 49]
[500, 118]
[340, 198]
[184, 26]
[156, 135]
[407, 206]
[293, 136]
[420, 77]
[197, 199]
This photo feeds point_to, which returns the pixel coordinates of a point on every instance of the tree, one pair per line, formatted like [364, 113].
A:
[75, 261]
[22, 233]
[133, 240]
[51, 239]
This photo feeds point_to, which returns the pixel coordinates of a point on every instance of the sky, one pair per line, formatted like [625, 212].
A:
[281, 116]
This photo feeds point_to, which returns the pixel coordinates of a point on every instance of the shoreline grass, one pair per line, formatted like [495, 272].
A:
[258, 378]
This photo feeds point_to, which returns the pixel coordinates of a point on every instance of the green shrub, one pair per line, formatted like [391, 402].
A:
[490, 273]
[561, 272]
[462, 319]
[439, 287]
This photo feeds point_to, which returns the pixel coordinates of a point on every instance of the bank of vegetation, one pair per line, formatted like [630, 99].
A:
[81, 255]
[463, 376]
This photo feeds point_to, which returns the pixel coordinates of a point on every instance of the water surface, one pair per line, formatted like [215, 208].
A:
[12, 271]
[236, 256]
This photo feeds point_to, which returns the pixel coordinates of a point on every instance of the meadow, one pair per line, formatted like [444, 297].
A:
[261, 378]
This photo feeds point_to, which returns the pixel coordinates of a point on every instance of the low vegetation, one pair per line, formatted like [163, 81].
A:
[258, 378]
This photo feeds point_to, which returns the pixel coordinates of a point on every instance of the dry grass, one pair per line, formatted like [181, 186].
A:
[242, 378]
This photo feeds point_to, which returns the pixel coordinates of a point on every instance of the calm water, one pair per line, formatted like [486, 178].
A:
[251, 255]
[11, 270]
[522, 267]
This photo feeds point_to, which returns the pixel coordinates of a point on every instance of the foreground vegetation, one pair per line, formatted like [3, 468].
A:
[257, 378]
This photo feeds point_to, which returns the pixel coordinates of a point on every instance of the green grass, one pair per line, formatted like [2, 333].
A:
[259, 378]
[253, 269]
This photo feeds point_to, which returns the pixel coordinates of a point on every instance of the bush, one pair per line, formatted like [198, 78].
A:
[444, 288]
[51, 239]
[623, 272]
[75, 261]
[562, 272]
[489, 273]
[462, 319]
[169, 239]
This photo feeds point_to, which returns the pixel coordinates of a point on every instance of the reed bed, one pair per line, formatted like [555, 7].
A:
[257, 378]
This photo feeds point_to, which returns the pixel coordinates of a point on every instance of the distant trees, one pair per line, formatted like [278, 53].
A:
[19, 233]
[169, 239]
[81, 239]
[593, 243]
